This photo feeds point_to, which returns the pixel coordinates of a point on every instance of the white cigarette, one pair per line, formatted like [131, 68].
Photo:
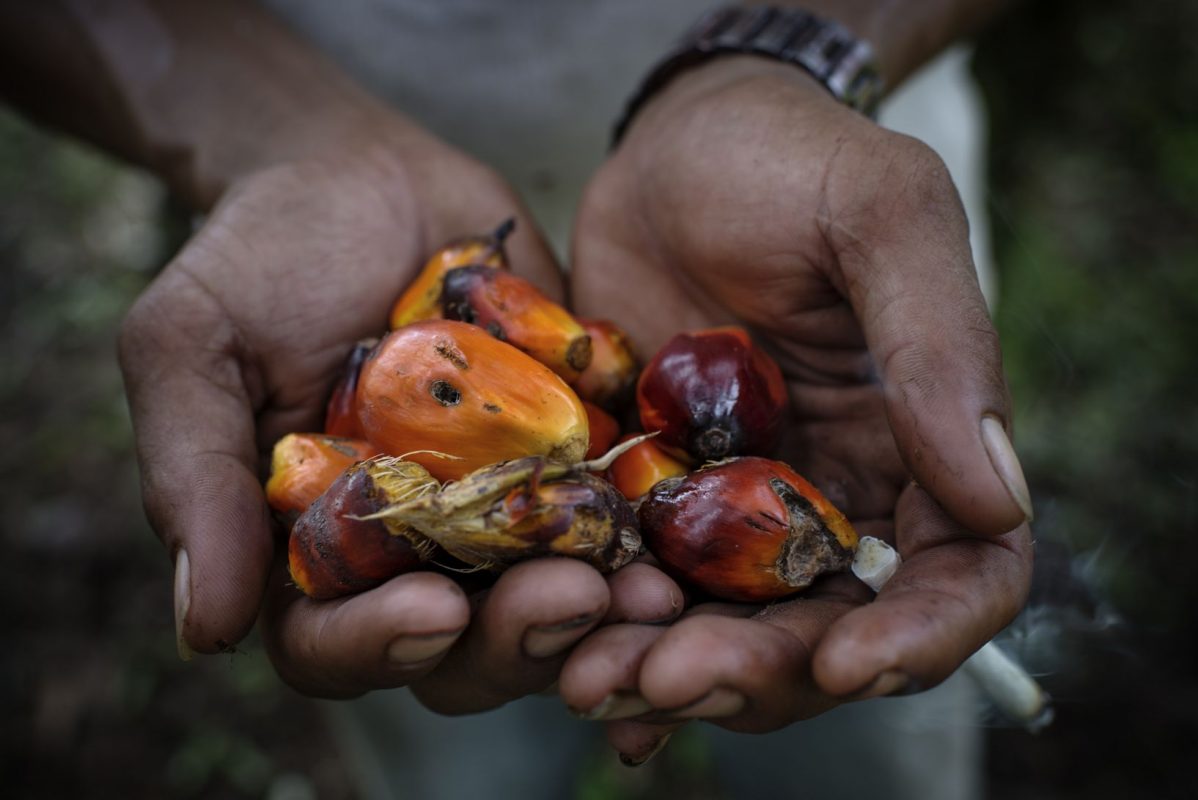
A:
[1008, 685]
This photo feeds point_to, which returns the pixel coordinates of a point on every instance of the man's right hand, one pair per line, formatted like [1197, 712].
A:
[237, 342]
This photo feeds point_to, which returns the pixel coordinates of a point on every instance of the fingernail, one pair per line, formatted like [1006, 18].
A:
[1006, 463]
[544, 641]
[887, 683]
[636, 761]
[182, 602]
[718, 703]
[413, 648]
[617, 705]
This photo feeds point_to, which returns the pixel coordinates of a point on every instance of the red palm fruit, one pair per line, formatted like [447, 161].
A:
[422, 299]
[604, 430]
[712, 394]
[341, 415]
[450, 388]
[641, 468]
[610, 378]
[303, 465]
[334, 551]
[746, 529]
[514, 311]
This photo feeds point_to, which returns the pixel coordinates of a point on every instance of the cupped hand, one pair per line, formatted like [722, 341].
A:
[743, 193]
[238, 341]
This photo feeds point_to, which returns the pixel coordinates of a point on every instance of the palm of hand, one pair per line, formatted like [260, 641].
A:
[752, 198]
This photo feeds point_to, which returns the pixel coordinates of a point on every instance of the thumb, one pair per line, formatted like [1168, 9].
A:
[194, 431]
[911, 282]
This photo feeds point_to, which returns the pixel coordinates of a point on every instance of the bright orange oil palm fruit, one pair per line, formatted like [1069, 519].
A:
[511, 309]
[422, 299]
[303, 465]
[640, 469]
[453, 389]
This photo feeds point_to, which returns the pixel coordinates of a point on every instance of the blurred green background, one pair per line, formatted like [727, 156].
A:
[1094, 170]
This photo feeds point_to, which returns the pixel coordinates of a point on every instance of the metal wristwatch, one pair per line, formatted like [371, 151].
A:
[840, 61]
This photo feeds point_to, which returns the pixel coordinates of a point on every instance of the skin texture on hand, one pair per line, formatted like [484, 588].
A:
[744, 194]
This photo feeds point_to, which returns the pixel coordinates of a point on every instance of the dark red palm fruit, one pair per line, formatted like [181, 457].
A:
[640, 469]
[712, 394]
[747, 529]
[604, 430]
[580, 516]
[610, 379]
[341, 415]
[514, 311]
[334, 552]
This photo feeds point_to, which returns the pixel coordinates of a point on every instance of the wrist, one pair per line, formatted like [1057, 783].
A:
[732, 82]
[904, 34]
[200, 154]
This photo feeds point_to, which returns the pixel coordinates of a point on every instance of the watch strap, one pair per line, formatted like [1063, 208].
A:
[825, 49]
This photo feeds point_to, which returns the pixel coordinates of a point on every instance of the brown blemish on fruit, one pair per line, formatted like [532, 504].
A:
[812, 548]
[452, 354]
[445, 393]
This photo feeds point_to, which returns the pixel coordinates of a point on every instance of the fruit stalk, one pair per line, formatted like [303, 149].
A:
[526, 508]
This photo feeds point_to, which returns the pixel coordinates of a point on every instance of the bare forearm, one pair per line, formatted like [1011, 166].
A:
[199, 92]
[906, 33]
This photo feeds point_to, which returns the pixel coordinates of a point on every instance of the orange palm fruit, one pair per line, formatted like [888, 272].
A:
[610, 378]
[451, 389]
[604, 430]
[303, 465]
[713, 394]
[513, 310]
[746, 529]
[341, 415]
[640, 469]
[422, 299]
[336, 549]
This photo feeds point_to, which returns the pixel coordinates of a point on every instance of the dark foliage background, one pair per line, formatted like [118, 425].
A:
[1094, 173]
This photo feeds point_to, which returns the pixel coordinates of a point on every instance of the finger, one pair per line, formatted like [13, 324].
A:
[382, 638]
[599, 679]
[521, 633]
[747, 675]
[903, 249]
[194, 431]
[952, 593]
[640, 592]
